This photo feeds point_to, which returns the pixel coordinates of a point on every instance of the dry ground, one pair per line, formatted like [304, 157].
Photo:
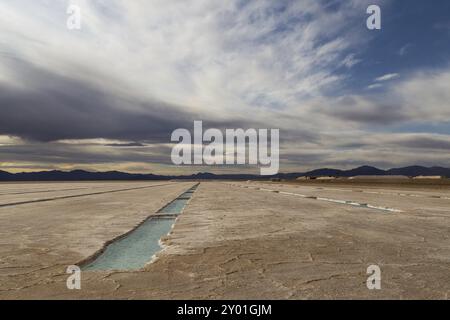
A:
[235, 240]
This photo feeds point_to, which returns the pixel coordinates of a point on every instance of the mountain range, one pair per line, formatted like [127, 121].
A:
[81, 175]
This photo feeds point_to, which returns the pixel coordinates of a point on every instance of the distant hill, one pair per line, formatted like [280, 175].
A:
[363, 171]
[81, 175]
[323, 172]
[420, 171]
[76, 175]
[412, 171]
[5, 175]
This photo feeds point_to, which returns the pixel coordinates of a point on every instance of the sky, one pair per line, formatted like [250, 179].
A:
[109, 95]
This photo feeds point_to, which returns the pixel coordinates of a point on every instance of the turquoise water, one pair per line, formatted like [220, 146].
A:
[187, 194]
[175, 207]
[134, 250]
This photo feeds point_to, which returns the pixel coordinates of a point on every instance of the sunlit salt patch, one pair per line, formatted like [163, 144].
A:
[347, 202]
[362, 205]
[300, 195]
[382, 193]
[383, 208]
[332, 200]
[139, 247]
[404, 194]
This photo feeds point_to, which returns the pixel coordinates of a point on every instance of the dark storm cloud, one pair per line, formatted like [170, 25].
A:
[377, 115]
[425, 143]
[54, 107]
[368, 112]
[401, 141]
[59, 153]
[352, 145]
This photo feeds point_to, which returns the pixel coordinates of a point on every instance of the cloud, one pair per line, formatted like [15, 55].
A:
[425, 141]
[442, 26]
[426, 96]
[111, 93]
[374, 86]
[385, 150]
[404, 50]
[387, 77]
[62, 108]
[125, 145]
[384, 78]
[350, 61]
[362, 110]
[237, 57]
[422, 98]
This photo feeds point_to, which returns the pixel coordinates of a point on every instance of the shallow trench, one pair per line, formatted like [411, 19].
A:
[137, 248]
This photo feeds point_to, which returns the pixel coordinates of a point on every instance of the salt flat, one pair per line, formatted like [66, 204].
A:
[38, 240]
[234, 240]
